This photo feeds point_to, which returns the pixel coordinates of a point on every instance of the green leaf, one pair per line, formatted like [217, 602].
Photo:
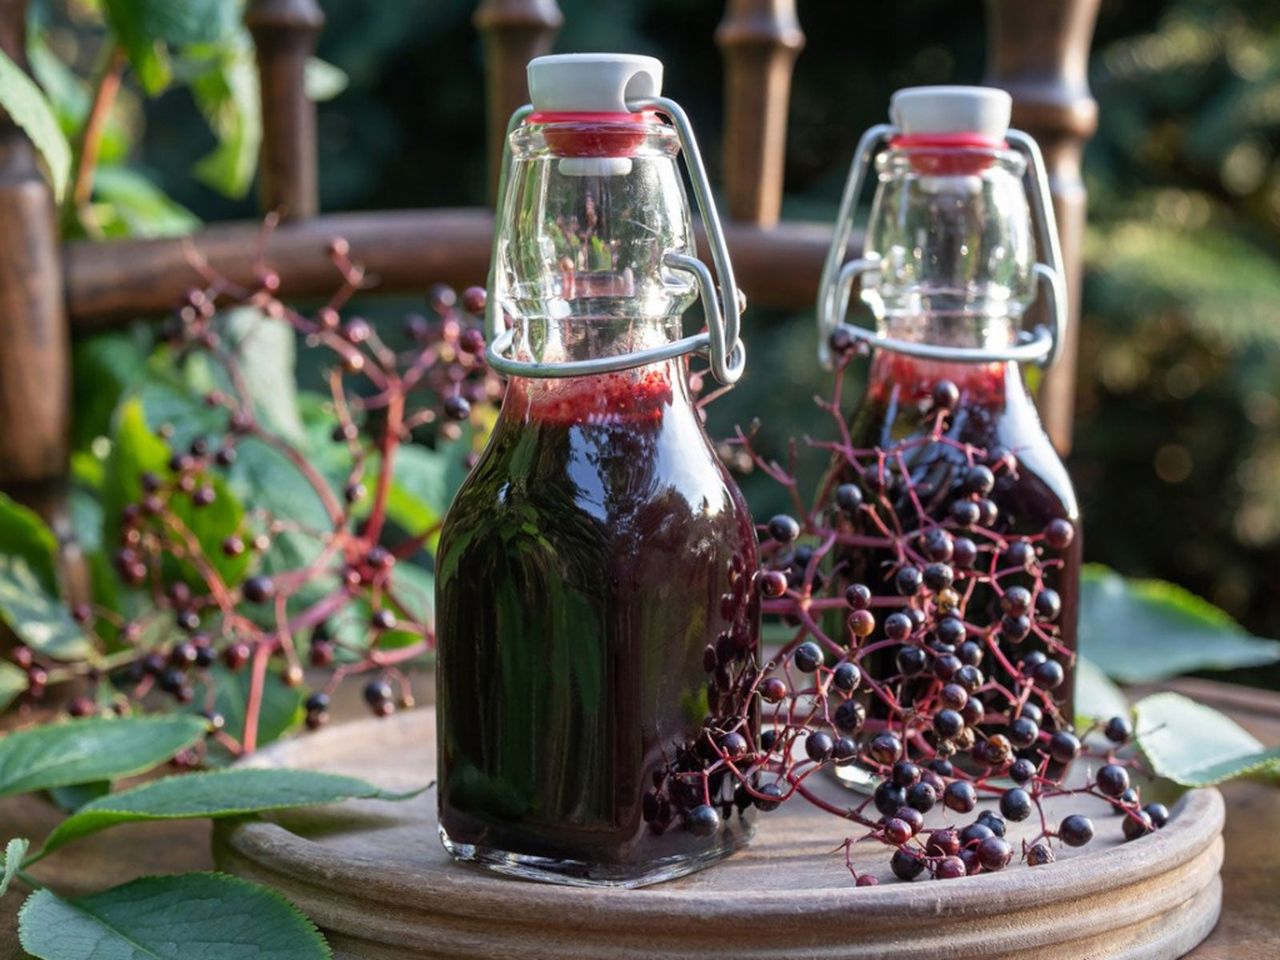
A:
[13, 681]
[1097, 698]
[42, 621]
[1141, 631]
[131, 205]
[70, 98]
[14, 853]
[419, 492]
[99, 748]
[228, 96]
[192, 916]
[281, 710]
[30, 110]
[23, 534]
[322, 80]
[267, 353]
[1195, 745]
[217, 794]
[72, 798]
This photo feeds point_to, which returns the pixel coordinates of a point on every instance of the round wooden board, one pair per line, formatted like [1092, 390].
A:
[374, 876]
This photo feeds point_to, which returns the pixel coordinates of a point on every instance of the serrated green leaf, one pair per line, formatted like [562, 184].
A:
[217, 794]
[1195, 745]
[98, 748]
[1141, 631]
[29, 109]
[42, 621]
[229, 97]
[14, 853]
[193, 916]
[1097, 698]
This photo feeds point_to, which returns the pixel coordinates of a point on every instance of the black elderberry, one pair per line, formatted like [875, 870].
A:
[383, 619]
[1031, 711]
[911, 661]
[205, 654]
[862, 623]
[946, 666]
[947, 723]
[1059, 534]
[953, 696]
[1022, 771]
[912, 817]
[818, 745]
[897, 831]
[1020, 555]
[978, 480]
[889, 797]
[318, 702]
[849, 497]
[1016, 601]
[1049, 675]
[943, 843]
[945, 395]
[774, 794]
[1064, 747]
[949, 868]
[783, 528]
[702, 821]
[171, 681]
[970, 678]
[1112, 780]
[1157, 813]
[959, 796]
[845, 749]
[1137, 825]
[858, 596]
[807, 656]
[188, 620]
[906, 865]
[1015, 805]
[942, 767]
[850, 716]
[938, 576]
[846, 677]
[768, 740]
[773, 583]
[1023, 732]
[908, 581]
[993, 822]
[772, 690]
[1048, 604]
[377, 692]
[1130, 797]
[236, 655]
[456, 408]
[970, 653]
[1118, 730]
[965, 513]
[1015, 629]
[885, 749]
[1076, 830]
[975, 833]
[905, 774]
[897, 626]
[937, 545]
[922, 797]
[258, 589]
[964, 552]
[734, 745]
[951, 630]
[994, 853]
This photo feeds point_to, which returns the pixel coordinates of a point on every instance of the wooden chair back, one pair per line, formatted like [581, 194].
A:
[51, 292]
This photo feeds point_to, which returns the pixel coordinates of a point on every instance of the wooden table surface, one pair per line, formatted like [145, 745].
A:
[1249, 928]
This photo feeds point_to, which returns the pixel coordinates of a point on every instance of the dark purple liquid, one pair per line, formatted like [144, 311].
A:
[591, 557]
[994, 411]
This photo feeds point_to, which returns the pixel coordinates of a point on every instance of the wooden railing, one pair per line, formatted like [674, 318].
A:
[48, 293]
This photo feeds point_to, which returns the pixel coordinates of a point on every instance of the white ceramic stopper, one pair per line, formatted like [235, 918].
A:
[926, 110]
[592, 82]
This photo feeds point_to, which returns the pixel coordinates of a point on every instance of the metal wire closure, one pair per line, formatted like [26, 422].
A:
[721, 342]
[1039, 346]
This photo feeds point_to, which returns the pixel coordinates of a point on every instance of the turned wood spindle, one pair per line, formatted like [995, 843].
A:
[35, 362]
[514, 32]
[284, 34]
[1039, 52]
[760, 40]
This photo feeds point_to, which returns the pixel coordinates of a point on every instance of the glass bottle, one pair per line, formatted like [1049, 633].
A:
[594, 570]
[949, 270]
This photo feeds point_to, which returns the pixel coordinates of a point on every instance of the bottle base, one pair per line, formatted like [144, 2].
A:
[579, 873]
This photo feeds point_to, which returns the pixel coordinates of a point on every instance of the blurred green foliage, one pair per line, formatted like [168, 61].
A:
[1177, 452]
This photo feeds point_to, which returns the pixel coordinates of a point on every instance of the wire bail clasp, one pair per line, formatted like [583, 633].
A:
[1040, 345]
[722, 305]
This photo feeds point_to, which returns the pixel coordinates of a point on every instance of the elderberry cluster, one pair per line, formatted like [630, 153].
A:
[235, 603]
[927, 664]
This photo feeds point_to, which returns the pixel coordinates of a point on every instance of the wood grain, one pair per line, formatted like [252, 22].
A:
[375, 877]
[1039, 52]
[514, 32]
[112, 283]
[284, 35]
[760, 40]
